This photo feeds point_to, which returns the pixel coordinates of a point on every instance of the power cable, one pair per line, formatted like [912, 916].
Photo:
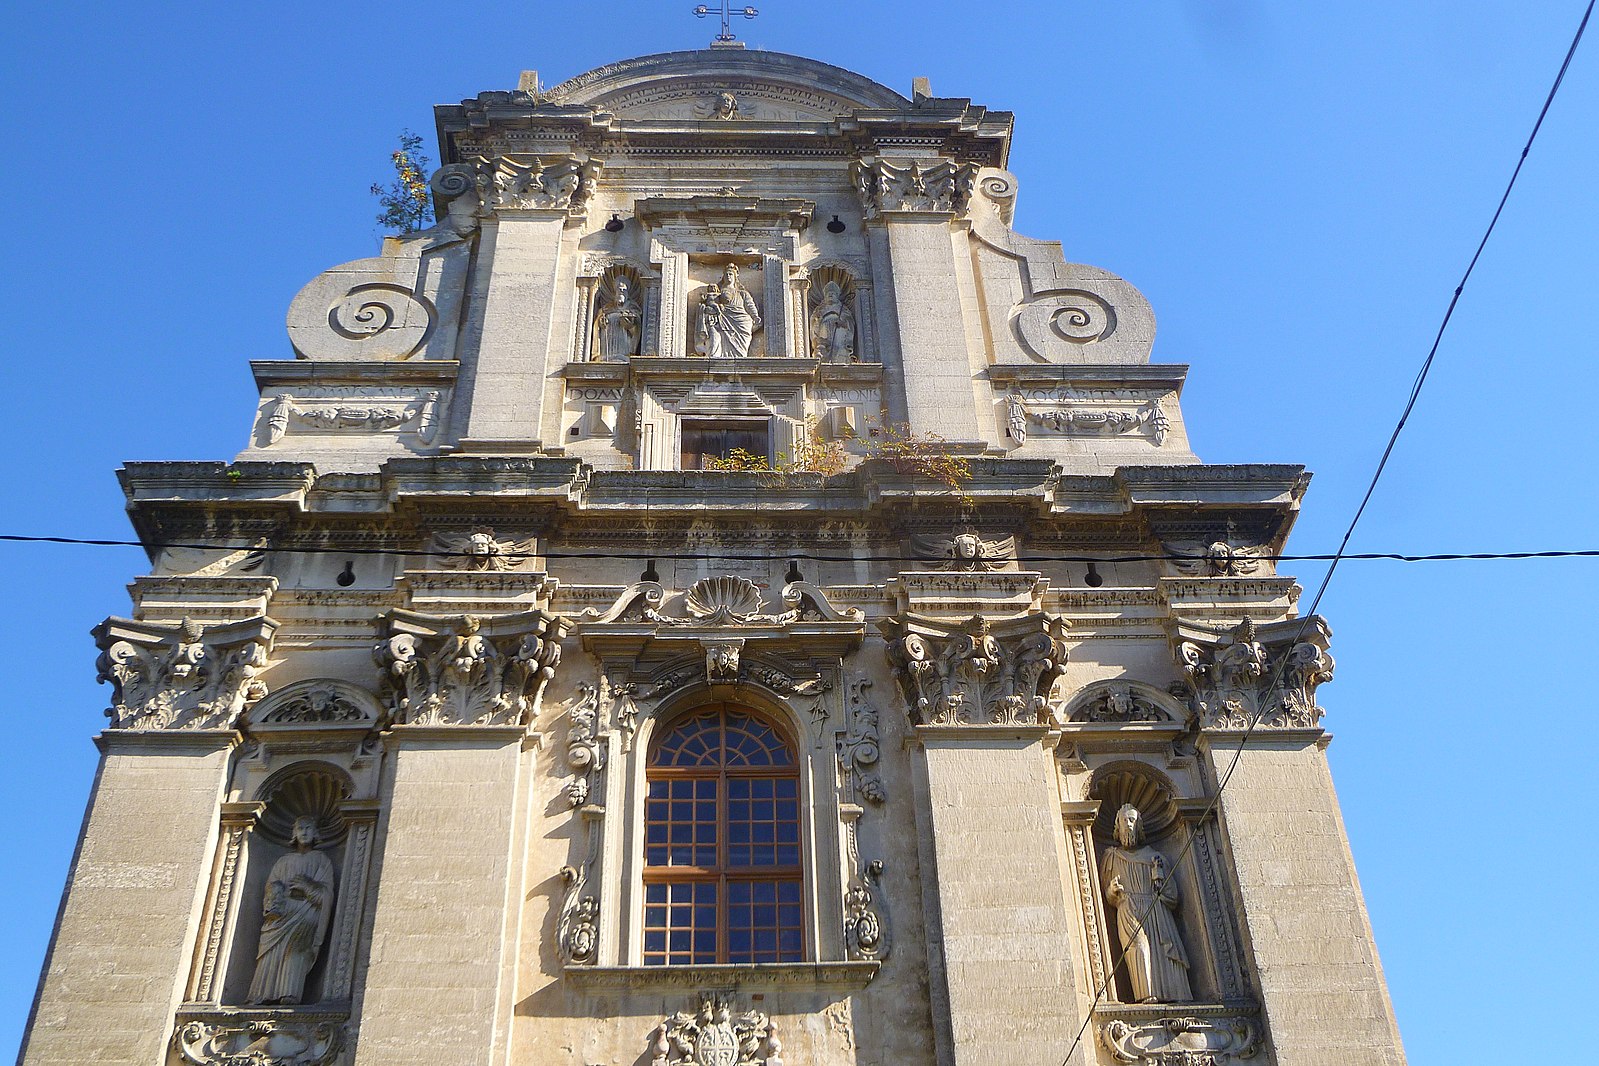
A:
[1332, 566]
[808, 556]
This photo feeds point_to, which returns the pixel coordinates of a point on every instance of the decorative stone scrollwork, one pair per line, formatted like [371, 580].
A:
[585, 755]
[977, 672]
[183, 676]
[1119, 702]
[859, 749]
[965, 550]
[458, 189]
[259, 1038]
[482, 550]
[1053, 323]
[720, 601]
[579, 929]
[913, 185]
[711, 1036]
[522, 182]
[1181, 1041]
[319, 704]
[1267, 675]
[865, 934]
[466, 669]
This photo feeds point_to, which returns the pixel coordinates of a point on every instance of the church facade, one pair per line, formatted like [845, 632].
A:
[718, 597]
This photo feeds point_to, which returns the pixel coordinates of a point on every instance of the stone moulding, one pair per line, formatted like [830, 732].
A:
[467, 669]
[1266, 674]
[183, 675]
[977, 672]
[260, 1037]
[839, 976]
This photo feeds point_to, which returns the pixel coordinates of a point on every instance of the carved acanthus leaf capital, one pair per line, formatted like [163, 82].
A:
[467, 669]
[1267, 675]
[561, 183]
[182, 676]
[888, 186]
[977, 672]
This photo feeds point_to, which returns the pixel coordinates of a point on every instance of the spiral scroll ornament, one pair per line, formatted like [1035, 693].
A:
[402, 319]
[1056, 322]
[999, 188]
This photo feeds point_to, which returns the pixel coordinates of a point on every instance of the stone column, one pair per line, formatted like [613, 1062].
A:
[125, 935]
[439, 983]
[519, 340]
[1322, 989]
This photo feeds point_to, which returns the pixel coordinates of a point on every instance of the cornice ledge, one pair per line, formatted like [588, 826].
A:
[840, 976]
[217, 483]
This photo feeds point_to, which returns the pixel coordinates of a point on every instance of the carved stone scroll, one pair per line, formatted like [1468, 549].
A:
[261, 1038]
[859, 749]
[184, 676]
[467, 669]
[977, 672]
[1181, 1041]
[1266, 674]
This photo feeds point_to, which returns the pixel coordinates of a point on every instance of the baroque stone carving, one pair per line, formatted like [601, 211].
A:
[295, 914]
[1181, 1041]
[726, 600]
[722, 661]
[369, 417]
[184, 676]
[977, 672]
[618, 318]
[585, 755]
[281, 1039]
[965, 549]
[1224, 557]
[1016, 419]
[864, 934]
[1267, 675]
[727, 318]
[1119, 702]
[482, 550]
[913, 185]
[1142, 888]
[468, 669]
[1150, 420]
[522, 182]
[859, 749]
[578, 931]
[317, 704]
[832, 326]
[711, 1036]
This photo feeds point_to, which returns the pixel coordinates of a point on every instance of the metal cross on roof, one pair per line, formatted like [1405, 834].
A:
[727, 14]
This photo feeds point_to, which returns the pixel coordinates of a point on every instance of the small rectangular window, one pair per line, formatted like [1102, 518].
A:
[705, 439]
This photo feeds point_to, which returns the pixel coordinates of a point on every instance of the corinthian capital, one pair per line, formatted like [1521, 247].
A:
[977, 672]
[184, 675]
[886, 186]
[1265, 674]
[467, 669]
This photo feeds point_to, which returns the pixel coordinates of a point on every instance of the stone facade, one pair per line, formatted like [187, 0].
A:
[398, 740]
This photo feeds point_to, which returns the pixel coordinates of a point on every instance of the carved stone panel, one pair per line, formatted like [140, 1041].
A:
[712, 1036]
[260, 1038]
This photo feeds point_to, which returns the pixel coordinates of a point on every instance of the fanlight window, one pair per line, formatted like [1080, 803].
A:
[722, 843]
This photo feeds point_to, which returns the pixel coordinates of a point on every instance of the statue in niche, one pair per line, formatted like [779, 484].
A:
[833, 327]
[298, 904]
[1142, 889]
[728, 318]
[619, 322]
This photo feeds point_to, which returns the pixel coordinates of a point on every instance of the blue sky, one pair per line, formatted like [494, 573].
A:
[1296, 188]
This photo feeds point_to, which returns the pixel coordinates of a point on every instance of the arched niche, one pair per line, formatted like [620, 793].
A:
[1122, 701]
[617, 321]
[834, 316]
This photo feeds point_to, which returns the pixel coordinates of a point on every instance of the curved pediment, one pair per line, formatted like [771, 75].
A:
[690, 87]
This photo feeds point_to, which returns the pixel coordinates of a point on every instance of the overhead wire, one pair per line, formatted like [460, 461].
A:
[1341, 554]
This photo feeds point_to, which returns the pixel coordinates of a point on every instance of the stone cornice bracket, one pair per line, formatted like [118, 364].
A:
[183, 675]
[1267, 674]
[980, 671]
[467, 669]
[901, 186]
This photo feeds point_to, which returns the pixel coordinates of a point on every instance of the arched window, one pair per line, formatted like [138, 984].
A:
[722, 870]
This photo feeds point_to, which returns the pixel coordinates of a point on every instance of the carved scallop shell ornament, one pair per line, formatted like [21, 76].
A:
[715, 600]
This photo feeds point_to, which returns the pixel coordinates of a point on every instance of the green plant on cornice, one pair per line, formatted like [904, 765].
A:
[812, 454]
[918, 454]
[406, 201]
